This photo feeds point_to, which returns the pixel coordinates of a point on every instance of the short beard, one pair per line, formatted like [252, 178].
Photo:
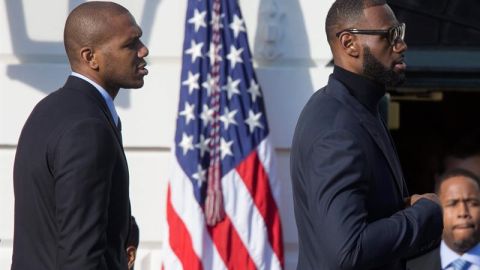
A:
[372, 68]
[462, 246]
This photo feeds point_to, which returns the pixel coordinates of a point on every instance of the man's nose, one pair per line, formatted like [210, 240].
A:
[463, 210]
[143, 51]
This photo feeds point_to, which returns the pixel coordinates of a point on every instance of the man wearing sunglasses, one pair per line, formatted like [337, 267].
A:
[351, 202]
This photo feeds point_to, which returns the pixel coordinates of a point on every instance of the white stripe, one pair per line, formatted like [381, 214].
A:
[248, 221]
[266, 155]
[187, 207]
[169, 259]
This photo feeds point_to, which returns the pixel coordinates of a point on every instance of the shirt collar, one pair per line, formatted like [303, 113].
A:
[447, 255]
[108, 99]
[366, 91]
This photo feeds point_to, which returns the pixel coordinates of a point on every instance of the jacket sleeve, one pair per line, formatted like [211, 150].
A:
[83, 166]
[338, 174]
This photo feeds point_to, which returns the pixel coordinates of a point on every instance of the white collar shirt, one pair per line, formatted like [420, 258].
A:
[108, 99]
[447, 256]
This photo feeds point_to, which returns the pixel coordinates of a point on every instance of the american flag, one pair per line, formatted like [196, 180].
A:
[221, 204]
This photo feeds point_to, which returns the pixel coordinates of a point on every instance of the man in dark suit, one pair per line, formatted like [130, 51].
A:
[351, 203]
[72, 207]
[459, 193]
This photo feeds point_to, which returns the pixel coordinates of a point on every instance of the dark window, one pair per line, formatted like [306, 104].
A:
[440, 23]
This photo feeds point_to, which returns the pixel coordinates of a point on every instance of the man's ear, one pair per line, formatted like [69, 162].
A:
[131, 255]
[349, 43]
[88, 56]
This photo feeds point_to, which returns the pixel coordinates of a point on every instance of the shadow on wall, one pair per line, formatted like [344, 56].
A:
[282, 53]
[32, 68]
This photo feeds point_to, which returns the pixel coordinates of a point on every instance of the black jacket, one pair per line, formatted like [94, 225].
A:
[72, 208]
[349, 189]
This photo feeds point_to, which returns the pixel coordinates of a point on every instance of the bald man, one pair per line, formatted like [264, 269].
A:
[72, 207]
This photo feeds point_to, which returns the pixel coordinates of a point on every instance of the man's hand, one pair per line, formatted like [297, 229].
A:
[415, 197]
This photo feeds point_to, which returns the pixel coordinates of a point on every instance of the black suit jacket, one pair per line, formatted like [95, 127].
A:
[428, 261]
[349, 190]
[72, 208]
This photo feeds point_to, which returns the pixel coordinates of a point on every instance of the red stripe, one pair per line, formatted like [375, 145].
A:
[230, 246]
[255, 178]
[180, 239]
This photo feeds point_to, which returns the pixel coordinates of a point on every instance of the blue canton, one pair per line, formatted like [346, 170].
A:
[243, 123]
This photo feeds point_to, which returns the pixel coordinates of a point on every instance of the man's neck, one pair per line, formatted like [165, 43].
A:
[97, 82]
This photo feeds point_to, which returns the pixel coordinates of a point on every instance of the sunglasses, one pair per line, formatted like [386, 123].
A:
[393, 34]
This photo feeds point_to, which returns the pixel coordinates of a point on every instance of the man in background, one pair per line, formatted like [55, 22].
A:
[350, 199]
[459, 193]
[72, 207]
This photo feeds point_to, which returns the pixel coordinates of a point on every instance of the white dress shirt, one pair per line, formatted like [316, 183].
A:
[108, 99]
[447, 256]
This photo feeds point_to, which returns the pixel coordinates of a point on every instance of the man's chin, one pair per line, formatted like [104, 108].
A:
[135, 85]
[465, 242]
[396, 79]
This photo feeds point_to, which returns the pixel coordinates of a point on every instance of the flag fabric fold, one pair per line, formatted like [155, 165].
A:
[222, 210]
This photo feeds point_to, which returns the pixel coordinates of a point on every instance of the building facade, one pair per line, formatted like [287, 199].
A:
[290, 52]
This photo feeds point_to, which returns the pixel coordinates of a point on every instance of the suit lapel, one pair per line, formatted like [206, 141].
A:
[92, 92]
[372, 125]
[375, 131]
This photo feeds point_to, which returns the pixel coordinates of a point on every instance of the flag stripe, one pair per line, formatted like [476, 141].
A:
[256, 180]
[248, 221]
[230, 246]
[265, 152]
[190, 212]
[168, 256]
[180, 239]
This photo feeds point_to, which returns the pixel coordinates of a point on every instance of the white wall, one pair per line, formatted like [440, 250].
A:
[33, 64]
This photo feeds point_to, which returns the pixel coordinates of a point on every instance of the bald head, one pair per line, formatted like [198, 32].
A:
[89, 25]
[346, 13]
